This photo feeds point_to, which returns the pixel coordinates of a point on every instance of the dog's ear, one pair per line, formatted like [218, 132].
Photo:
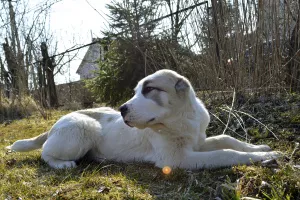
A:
[182, 86]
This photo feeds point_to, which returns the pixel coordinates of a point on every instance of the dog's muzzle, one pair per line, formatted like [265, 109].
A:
[124, 110]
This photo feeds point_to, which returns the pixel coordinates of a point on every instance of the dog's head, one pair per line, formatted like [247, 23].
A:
[158, 97]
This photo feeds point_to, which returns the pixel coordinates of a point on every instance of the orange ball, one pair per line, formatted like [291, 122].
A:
[166, 170]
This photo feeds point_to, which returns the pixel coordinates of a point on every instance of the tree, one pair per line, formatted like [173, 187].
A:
[137, 47]
[128, 41]
[293, 67]
[293, 72]
[27, 48]
[133, 18]
[15, 56]
[177, 18]
[48, 65]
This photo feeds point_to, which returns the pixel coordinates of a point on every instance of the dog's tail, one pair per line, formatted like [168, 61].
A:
[29, 144]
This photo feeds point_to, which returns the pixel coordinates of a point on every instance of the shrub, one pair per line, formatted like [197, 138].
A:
[128, 61]
[17, 108]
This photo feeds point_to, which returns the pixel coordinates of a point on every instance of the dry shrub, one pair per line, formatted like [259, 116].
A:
[17, 108]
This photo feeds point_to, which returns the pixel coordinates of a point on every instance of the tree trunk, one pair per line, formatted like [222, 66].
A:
[4, 78]
[293, 68]
[42, 86]
[12, 68]
[48, 65]
[17, 52]
[217, 31]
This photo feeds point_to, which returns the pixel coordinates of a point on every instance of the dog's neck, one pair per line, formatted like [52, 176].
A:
[185, 121]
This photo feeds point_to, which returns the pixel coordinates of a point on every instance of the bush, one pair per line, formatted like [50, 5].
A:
[16, 109]
[128, 61]
[117, 75]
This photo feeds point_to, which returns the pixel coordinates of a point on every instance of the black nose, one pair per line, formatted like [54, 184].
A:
[123, 109]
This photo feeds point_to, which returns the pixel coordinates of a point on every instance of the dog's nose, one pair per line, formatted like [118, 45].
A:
[123, 109]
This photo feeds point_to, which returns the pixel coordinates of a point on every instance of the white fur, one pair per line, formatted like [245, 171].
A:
[171, 134]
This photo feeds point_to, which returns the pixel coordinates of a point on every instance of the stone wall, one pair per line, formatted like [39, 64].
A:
[74, 92]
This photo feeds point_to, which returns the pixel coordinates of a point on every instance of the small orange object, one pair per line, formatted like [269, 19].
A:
[166, 170]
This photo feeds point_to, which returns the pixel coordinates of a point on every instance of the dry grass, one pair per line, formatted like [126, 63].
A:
[17, 108]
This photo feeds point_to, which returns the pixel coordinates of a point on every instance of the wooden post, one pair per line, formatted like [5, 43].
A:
[48, 65]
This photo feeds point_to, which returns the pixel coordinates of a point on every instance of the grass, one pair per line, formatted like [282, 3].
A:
[26, 176]
[17, 108]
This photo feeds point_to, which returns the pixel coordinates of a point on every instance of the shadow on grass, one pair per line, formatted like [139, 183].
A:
[133, 180]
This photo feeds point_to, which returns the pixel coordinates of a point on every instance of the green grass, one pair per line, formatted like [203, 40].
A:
[26, 176]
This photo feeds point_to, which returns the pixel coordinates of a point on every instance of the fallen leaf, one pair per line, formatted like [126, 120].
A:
[296, 166]
[103, 189]
[272, 163]
[11, 162]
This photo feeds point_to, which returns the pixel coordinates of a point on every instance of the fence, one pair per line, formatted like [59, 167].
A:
[74, 92]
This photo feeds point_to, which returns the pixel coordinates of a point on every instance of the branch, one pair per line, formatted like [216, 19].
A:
[230, 111]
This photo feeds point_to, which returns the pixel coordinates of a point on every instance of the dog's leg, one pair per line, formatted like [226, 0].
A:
[214, 159]
[227, 142]
[64, 147]
[227, 157]
[58, 163]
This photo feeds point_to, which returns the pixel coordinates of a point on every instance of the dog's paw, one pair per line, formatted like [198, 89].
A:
[263, 148]
[263, 156]
[257, 148]
[273, 155]
[62, 164]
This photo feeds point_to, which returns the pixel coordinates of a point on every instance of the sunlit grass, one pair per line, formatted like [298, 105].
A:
[27, 176]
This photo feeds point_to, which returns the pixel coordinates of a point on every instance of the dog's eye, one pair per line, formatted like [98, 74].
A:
[148, 89]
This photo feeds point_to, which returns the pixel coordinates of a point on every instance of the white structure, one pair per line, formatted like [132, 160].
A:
[89, 64]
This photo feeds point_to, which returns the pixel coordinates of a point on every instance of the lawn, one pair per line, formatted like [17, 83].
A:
[26, 176]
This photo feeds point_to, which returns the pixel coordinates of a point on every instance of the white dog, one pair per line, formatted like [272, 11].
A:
[164, 123]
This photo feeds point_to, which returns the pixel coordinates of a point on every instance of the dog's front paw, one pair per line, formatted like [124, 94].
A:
[257, 148]
[264, 156]
[272, 155]
[263, 148]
